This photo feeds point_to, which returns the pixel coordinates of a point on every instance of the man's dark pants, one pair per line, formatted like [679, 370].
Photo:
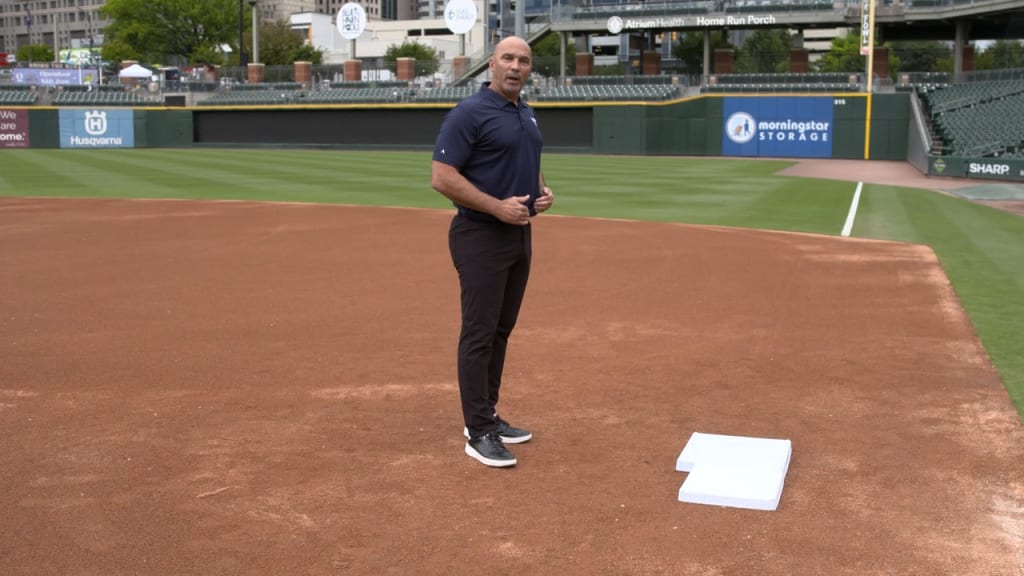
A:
[493, 261]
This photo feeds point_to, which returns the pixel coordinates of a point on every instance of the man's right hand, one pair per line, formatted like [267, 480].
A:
[513, 210]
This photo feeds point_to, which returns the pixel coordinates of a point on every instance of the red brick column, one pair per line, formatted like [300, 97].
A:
[584, 64]
[967, 59]
[881, 62]
[798, 60]
[304, 73]
[406, 69]
[724, 58]
[353, 70]
[255, 71]
[460, 65]
[651, 63]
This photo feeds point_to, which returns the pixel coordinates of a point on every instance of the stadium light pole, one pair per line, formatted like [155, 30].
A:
[93, 61]
[243, 61]
[255, 31]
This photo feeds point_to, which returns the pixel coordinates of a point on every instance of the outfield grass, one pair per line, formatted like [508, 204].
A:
[980, 248]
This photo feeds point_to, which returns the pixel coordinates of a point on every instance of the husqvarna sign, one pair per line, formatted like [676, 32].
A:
[97, 129]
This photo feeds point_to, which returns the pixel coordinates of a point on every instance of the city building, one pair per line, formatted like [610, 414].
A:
[63, 24]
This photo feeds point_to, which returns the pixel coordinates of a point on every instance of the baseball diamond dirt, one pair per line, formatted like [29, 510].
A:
[197, 388]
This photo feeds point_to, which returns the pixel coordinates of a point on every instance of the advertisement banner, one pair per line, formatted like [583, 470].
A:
[55, 76]
[97, 129]
[13, 128]
[1004, 169]
[784, 126]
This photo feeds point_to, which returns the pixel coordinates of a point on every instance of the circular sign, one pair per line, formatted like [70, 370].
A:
[615, 24]
[740, 127]
[351, 20]
[460, 15]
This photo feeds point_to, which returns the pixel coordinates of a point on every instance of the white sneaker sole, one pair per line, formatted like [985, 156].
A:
[505, 439]
[488, 461]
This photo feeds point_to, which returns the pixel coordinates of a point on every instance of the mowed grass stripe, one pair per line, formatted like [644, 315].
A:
[398, 179]
[981, 250]
[218, 174]
[983, 263]
[72, 173]
[701, 191]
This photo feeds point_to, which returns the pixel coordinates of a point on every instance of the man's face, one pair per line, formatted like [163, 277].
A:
[510, 67]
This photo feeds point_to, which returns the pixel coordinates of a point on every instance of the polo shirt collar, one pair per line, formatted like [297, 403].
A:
[498, 98]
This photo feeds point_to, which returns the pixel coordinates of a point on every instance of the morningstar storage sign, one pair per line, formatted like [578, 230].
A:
[617, 24]
[788, 127]
[1009, 169]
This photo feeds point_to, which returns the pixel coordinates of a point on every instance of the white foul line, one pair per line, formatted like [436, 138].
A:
[853, 211]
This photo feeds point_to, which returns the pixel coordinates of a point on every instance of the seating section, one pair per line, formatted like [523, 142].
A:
[20, 96]
[782, 82]
[778, 88]
[118, 97]
[355, 95]
[644, 79]
[958, 96]
[446, 94]
[585, 92]
[786, 78]
[252, 97]
[606, 93]
[915, 81]
[978, 118]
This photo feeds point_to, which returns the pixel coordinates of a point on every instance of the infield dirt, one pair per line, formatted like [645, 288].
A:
[197, 388]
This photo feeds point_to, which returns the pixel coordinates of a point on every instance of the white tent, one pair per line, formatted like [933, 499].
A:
[135, 71]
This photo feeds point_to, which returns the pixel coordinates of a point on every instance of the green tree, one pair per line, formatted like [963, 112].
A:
[1001, 54]
[427, 59]
[546, 57]
[844, 56]
[34, 53]
[116, 52]
[765, 51]
[281, 45]
[176, 31]
[307, 53]
[921, 56]
[690, 50]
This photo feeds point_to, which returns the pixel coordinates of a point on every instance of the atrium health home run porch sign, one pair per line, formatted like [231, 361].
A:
[790, 127]
[97, 128]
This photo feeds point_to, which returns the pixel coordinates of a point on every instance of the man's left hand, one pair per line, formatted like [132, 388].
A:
[545, 200]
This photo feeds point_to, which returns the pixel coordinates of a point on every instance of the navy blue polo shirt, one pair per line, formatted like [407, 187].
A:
[495, 144]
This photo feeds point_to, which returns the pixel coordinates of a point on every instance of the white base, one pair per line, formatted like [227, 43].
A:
[734, 471]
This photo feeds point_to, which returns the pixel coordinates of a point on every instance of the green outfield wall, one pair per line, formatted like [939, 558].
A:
[697, 126]
[770, 125]
[148, 128]
[163, 128]
[44, 128]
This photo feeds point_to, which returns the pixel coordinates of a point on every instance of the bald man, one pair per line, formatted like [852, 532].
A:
[487, 162]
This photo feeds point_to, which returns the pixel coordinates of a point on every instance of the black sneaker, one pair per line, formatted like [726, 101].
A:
[490, 451]
[509, 433]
